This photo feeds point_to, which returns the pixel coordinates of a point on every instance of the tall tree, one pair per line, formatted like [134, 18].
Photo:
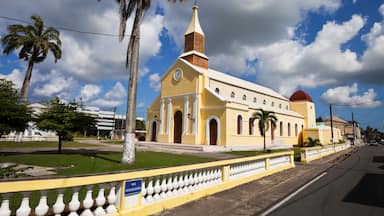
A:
[126, 9]
[63, 119]
[35, 42]
[14, 113]
[265, 118]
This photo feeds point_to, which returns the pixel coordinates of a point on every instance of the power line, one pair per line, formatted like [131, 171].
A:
[65, 28]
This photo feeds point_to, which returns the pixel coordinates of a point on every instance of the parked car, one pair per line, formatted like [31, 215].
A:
[373, 143]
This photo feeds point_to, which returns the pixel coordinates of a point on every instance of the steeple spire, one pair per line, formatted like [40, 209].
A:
[194, 41]
[194, 25]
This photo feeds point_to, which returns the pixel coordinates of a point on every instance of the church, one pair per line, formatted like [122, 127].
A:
[199, 105]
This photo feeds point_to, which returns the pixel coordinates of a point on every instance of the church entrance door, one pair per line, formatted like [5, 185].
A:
[177, 126]
[212, 132]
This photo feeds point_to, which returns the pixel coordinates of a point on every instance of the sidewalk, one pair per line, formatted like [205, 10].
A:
[256, 197]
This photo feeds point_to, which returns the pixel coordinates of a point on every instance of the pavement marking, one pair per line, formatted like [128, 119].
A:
[279, 204]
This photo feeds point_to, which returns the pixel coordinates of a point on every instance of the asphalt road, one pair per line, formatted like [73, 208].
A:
[354, 186]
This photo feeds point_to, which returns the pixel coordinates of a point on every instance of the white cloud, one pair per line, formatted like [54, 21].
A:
[140, 105]
[292, 64]
[102, 102]
[89, 91]
[16, 76]
[249, 25]
[117, 92]
[84, 56]
[57, 85]
[113, 98]
[348, 96]
[155, 81]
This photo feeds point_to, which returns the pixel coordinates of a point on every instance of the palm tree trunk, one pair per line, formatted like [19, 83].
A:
[130, 123]
[27, 80]
[60, 144]
[265, 147]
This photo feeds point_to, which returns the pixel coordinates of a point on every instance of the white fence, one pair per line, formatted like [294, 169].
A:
[140, 192]
[313, 153]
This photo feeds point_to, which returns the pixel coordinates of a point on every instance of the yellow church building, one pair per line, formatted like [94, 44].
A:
[199, 105]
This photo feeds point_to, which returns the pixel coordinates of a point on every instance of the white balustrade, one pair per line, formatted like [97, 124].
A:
[42, 208]
[100, 201]
[88, 202]
[24, 208]
[74, 204]
[156, 188]
[59, 205]
[4, 208]
[111, 198]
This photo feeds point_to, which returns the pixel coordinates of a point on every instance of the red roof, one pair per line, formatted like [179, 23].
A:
[300, 95]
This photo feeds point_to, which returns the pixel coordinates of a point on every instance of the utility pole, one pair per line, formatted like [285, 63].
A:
[353, 130]
[330, 112]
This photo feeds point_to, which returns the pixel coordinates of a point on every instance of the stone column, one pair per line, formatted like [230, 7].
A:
[161, 128]
[169, 113]
[186, 123]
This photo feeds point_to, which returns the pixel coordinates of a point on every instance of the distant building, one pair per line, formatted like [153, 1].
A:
[349, 131]
[105, 120]
[32, 133]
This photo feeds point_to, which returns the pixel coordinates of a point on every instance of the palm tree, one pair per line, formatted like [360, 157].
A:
[35, 42]
[126, 9]
[264, 117]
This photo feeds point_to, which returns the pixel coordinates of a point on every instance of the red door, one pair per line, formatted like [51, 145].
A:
[154, 132]
[212, 132]
[177, 127]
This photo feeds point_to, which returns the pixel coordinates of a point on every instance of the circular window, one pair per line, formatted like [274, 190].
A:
[177, 74]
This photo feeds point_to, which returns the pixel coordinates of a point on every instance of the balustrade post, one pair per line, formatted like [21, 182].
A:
[24, 208]
[121, 196]
[267, 163]
[292, 159]
[4, 208]
[225, 173]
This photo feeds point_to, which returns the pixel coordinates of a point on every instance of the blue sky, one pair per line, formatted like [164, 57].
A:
[332, 49]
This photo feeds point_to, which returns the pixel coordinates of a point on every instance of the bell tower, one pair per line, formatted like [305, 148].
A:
[194, 42]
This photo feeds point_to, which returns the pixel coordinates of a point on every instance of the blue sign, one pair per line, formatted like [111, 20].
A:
[132, 187]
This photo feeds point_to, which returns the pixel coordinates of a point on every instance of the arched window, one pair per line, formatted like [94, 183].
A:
[244, 97]
[286, 107]
[250, 126]
[239, 124]
[273, 103]
[280, 106]
[281, 129]
[254, 100]
[296, 132]
[264, 102]
[289, 129]
[217, 90]
[232, 94]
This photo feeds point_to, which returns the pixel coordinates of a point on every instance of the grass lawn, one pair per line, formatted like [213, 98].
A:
[42, 144]
[254, 153]
[79, 164]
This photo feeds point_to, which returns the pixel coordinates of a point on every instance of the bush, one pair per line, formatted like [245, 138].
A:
[312, 142]
[68, 137]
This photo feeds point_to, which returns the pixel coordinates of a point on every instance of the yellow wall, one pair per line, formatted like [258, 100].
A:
[307, 109]
[212, 106]
[188, 84]
[323, 134]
